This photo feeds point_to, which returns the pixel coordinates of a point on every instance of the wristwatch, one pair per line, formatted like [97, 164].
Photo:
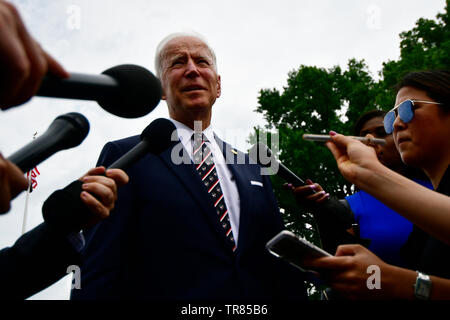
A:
[422, 288]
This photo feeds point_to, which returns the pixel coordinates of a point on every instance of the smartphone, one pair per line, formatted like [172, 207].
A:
[287, 246]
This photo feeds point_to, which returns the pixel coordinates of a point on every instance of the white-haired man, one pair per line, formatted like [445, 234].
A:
[195, 230]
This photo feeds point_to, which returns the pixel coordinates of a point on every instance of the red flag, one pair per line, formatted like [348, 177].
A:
[33, 174]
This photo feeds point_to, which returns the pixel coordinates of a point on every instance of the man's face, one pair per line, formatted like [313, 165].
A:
[189, 78]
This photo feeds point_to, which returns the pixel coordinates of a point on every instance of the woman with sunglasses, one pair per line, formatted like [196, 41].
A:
[369, 222]
[420, 123]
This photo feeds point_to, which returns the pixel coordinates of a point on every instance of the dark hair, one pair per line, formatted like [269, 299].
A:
[436, 83]
[366, 116]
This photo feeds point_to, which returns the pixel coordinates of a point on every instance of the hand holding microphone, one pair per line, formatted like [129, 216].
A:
[22, 61]
[100, 192]
[66, 131]
[304, 195]
[127, 91]
[93, 196]
[64, 208]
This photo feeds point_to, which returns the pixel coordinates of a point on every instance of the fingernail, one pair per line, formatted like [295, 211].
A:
[312, 186]
[84, 186]
[332, 133]
[327, 195]
[308, 181]
[321, 192]
[290, 185]
[84, 194]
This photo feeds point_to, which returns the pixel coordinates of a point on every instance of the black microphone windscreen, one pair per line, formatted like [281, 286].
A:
[155, 138]
[138, 94]
[66, 131]
[158, 134]
[81, 128]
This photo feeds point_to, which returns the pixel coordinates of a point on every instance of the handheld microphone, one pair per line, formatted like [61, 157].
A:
[264, 157]
[65, 209]
[65, 132]
[155, 138]
[127, 91]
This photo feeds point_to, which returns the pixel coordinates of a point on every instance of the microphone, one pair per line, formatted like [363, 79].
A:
[65, 132]
[155, 138]
[127, 91]
[264, 157]
[65, 209]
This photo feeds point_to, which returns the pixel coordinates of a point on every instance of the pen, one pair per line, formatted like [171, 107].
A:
[324, 138]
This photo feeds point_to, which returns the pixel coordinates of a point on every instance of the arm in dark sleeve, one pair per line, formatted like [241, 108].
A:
[334, 218]
[37, 259]
[290, 284]
[103, 249]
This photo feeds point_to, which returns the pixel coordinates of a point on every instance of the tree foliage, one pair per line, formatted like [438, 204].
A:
[317, 100]
[425, 47]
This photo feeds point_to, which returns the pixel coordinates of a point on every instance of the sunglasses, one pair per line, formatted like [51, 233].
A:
[405, 111]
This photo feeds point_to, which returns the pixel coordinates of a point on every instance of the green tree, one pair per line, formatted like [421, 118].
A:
[425, 47]
[317, 100]
[314, 101]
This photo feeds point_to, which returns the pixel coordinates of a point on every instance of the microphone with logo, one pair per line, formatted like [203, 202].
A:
[127, 91]
[64, 207]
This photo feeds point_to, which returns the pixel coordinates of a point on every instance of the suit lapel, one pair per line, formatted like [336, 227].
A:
[190, 179]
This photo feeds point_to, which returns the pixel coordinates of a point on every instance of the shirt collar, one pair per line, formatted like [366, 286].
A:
[185, 133]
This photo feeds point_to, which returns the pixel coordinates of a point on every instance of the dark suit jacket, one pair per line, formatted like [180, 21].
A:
[38, 259]
[163, 240]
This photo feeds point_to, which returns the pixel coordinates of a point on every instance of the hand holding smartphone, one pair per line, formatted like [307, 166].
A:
[294, 250]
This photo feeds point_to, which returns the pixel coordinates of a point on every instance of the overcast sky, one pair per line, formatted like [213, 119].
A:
[256, 42]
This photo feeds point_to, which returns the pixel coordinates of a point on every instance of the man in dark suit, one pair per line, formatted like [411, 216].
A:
[194, 230]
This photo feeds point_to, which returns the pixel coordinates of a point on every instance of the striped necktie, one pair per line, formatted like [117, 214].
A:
[206, 168]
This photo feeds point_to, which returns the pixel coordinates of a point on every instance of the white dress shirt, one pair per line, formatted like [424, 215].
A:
[227, 181]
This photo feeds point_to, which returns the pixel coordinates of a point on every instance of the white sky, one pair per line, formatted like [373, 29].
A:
[256, 42]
